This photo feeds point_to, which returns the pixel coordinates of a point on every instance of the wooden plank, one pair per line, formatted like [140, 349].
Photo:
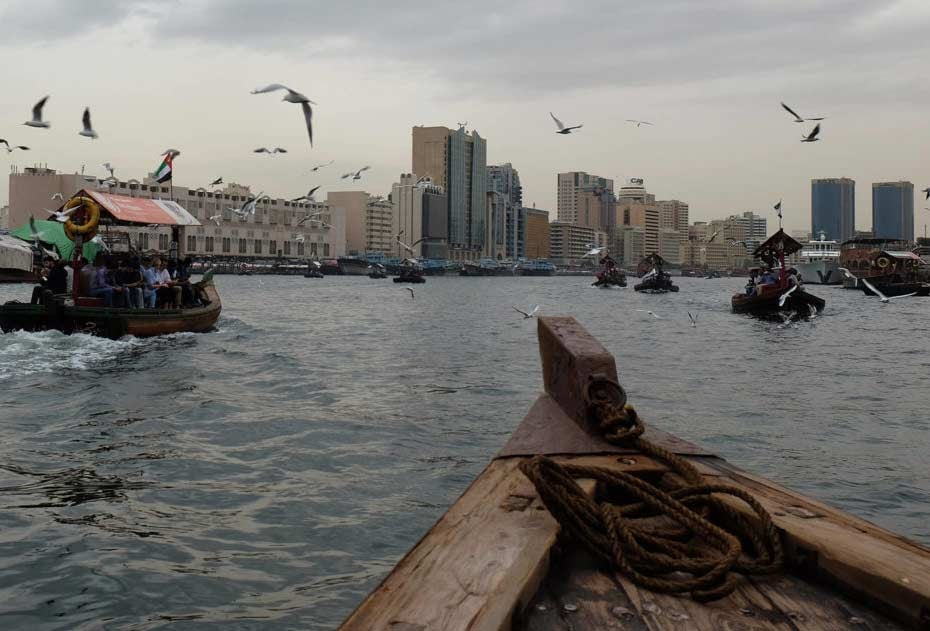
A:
[887, 571]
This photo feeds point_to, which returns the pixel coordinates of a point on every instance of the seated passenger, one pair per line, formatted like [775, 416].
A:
[86, 277]
[149, 280]
[163, 285]
[101, 287]
[131, 281]
[58, 278]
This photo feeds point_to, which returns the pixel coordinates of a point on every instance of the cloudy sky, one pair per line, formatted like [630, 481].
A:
[709, 73]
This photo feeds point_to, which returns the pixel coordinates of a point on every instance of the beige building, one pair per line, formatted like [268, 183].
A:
[430, 153]
[570, 242]
[537, 233]
[673, 214]
[569, 186]
[379, 217]
[369, 221]
[634, 245]
[419, 213]
[4, 217]
[713, 256]
[669, 245]
[271, 231]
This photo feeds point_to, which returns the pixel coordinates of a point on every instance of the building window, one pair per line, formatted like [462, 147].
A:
[226, 245]
[241, 246]
[144, 240]
[300, 248]
[162, 242]
[191, 243]
[287, 248]
[258, 246]
[273, 247]
[208, 246]
[313, 249]
[325, 249]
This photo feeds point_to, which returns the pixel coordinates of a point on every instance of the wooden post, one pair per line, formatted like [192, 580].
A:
[570, 357]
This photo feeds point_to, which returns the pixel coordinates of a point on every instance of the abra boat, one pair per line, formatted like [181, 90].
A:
[352, 266]
[376, 271]
[610, 275]
[74, 313]
[656, 281]
[781, 297]
[410, 272]
[527, 546]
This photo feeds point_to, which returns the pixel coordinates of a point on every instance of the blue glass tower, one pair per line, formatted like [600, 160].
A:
[893, 210]
[833, 208]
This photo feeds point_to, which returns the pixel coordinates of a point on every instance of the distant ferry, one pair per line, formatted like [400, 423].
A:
[820, 262]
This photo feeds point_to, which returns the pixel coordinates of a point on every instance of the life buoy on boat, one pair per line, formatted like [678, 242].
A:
[91, 218]
[883, 262]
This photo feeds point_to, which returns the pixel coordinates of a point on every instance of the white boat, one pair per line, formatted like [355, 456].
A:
[820, 262]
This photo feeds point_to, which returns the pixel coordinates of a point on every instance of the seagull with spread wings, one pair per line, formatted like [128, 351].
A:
[885, 299]
[528, 314]
[63, 215]
[293, 96]
[309, 196]
[562, 128]
[11, 148]
[812, 137]
[36, 120]
[798, 118]
[320, 166]
[88, 130]
[355, 175]
[270, 152]
[638, 122]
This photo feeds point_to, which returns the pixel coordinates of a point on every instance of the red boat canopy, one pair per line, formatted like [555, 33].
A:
[776, 246]
[140, 210]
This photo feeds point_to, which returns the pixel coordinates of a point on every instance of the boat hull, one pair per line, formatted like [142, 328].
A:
[820, 273]
[766, 306]
[897, 289]
[409, 279]
[353, 267]
[655, 287]
[110, 322]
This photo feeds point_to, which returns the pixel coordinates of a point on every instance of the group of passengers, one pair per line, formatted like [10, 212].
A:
[124, 281]
[759, 279]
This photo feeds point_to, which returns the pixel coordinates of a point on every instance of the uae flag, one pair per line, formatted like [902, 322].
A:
[163, 172]
[778, 208]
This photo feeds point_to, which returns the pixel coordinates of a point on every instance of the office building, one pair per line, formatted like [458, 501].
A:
[833, 208]
[419, 213]
[673, 214]
[537, 233]
[506, 212]
[271, 232]
[569, 242]
[669, 244]
[634, 245]
[457, 162]
[893, 210]
[569, 185]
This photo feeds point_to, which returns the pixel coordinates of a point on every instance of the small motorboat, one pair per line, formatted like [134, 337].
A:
[376, 271]
[610, 275]
[410, 272]
[313, 270]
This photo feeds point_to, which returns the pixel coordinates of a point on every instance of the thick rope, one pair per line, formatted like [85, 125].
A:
[675, 537]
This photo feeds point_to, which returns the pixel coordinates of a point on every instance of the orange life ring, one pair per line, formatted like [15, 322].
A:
[883, 262]
[88, 229]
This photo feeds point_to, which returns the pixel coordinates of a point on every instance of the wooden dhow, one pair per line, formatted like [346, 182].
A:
[498, 559]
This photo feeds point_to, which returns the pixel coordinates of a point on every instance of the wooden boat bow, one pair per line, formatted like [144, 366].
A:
[491, 562]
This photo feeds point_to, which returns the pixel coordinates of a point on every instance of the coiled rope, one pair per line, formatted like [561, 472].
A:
[673, 537]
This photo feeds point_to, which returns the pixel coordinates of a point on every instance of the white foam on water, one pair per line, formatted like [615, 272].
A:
[23, 353]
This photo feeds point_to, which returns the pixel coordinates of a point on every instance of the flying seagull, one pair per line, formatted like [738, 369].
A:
[528, 314]
[652, 313]
[109, 168]
[215, 219]
[309, 196]
[57, 196]
[562, 128]
[217, 181]
[307, 218]
[638, 122]
[37, 116]
[693, 320]
[927, 191]
[269, 151]
[356, 175]
[63, 215]
[848, 274]
[594, 251]
[88, 131]
[248, 208]
[812, 137]
[293, 96]
[798, 119]
[465, 124]
[410, 289]
[882, 296]
[320, 166]
[784, 296]
[11, 148]
[98, 240]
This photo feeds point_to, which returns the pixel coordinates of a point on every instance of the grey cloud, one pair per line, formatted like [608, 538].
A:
[532, 47]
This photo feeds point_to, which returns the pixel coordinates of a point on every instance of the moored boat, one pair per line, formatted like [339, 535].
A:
[583, 522]
[376, 270]
[819, 262]
[352, 266]
[656, 281]
[536, 267]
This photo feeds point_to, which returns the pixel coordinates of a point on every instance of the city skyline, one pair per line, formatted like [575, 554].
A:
[720, 141]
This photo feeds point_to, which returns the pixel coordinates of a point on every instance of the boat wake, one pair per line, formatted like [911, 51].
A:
[23, 353]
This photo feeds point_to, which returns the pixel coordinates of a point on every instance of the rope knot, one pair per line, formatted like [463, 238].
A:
[616, 420]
